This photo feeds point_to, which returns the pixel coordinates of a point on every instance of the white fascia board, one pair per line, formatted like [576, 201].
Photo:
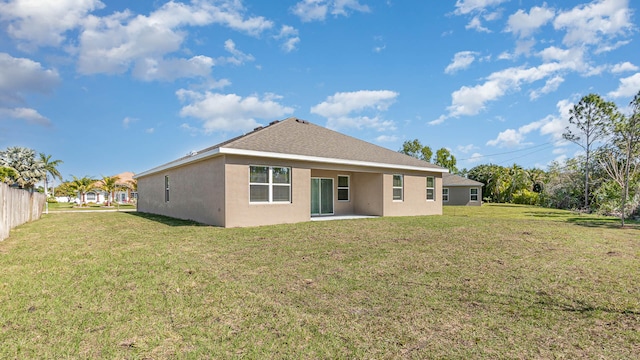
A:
[184, 161]
[264, 154]
[319, 159]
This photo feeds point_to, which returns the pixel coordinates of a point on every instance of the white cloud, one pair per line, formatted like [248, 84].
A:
[466, 148]
[344, 103]
[461, 60]
[475, 158]
[341, 7]
[476, 24]
[550, 86]
[508, 138]
[470, 100]
[128, 121]
[290, 36]
[623, 67]
[523, 24]
[237, 57]
[595, 22]
[554, 125]
[31, 116]
[439, 120]
[629, 86]
[149, 69]
[20, 75]
[464, 7]
[311, 10]
[230, 112]
[44, 23]
[339, 109]
[317, 10]
[112, 43]
[386, 138]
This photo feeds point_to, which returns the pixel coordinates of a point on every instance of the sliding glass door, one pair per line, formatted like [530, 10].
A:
[321, 196]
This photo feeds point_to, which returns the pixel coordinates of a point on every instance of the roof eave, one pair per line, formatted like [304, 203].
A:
[265, 154]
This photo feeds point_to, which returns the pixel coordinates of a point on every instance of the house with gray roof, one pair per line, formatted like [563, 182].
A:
[458, 190]
[287, 172]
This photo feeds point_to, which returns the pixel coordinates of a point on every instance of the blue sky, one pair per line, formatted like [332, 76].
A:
[113, 86]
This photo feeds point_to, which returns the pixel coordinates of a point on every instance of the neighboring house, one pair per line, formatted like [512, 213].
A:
[288, 172]
[457, 190]
[96, 195]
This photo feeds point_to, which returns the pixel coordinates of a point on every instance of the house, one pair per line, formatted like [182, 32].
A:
[126, 192]
[287, 172]
[458, 190]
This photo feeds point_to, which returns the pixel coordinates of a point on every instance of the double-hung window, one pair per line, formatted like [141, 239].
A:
[269, 184]
[398, 190]
[431, 188]
[445, 195]
[473, 194]
[343, 188]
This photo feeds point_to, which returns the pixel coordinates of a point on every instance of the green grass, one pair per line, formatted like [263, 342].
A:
[489, 282]
[71, 206]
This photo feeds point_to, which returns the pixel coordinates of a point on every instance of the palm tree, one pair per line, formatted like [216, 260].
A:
[50, 167]
[110, 185]
[23, 161]
[82, 186]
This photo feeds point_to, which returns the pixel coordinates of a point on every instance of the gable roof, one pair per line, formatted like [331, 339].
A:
[449, 180]
[296, 139]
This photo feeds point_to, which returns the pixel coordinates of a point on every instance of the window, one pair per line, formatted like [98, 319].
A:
[473, 194]
[397, 187]
[166, 188]
[431, 188]
[445, 195]
[343, 188]
[269, 184]
[91, 196]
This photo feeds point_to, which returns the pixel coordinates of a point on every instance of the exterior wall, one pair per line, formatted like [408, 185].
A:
[215, 191]
[339, 207]
[367, 190]
[239, 212]
[460, 195]
[196, 192]
[415, 196]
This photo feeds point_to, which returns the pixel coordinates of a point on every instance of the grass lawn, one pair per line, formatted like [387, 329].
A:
[493, 282]
[71, 206]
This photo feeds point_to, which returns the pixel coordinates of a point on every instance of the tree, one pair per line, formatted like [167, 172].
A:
[445, 159]
[23, 161]
[82, 186]
[620, 159]
[66, 189]
[417, 150]
[7, 175]
[590, 117]
[110, 185]
[50, 167]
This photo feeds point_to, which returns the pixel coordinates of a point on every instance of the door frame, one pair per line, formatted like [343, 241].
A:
[333, 204]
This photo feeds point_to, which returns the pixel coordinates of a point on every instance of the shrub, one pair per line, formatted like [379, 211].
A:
[526, 197]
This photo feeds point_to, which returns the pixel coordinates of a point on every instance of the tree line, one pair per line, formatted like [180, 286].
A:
[22, 168]
[604, 179]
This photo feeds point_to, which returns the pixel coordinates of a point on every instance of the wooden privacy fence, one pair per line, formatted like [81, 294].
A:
[17, 207]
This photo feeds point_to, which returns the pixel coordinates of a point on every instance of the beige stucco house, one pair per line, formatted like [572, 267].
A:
[457, 190]
[287, 172]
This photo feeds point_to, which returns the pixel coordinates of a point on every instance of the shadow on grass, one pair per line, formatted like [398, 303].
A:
[549, 214]
[592, 221]
[166, 220]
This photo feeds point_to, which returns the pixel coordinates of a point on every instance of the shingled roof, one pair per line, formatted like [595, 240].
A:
[294, 138]
[449, 180]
